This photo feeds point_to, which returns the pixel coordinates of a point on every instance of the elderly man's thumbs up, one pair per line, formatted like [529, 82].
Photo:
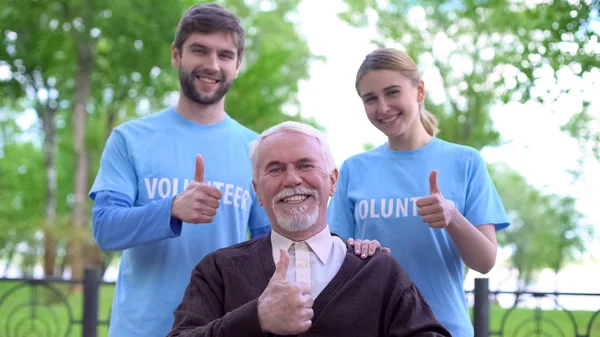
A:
[285, 308]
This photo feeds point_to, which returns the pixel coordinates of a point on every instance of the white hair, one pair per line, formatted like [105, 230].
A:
[291, 126]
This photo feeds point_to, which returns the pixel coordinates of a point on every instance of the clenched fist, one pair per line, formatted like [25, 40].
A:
[199, 202]
[285, 308]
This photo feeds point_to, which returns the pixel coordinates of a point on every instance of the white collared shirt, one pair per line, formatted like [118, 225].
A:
[326, 255]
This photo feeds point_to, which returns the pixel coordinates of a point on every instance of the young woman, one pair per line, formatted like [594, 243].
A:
[431, 201]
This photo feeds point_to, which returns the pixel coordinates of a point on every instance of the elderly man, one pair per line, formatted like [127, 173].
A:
[300, 278]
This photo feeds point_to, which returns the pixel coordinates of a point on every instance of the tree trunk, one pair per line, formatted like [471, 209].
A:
[112, 110]
[95, 257]
[9, 259]
[62, 266]
[111, 117]
[79, 215]
[47, 115]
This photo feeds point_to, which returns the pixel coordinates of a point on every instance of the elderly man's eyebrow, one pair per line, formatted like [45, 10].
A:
[273, 163]
[302, 160]
[305, 160]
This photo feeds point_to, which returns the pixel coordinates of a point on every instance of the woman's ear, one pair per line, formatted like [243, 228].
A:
[420, 91]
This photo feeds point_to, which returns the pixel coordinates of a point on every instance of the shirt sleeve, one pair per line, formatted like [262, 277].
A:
[483, 204]
[201, 312]
[258, 223]
[341, 209]
[117, 172]
[117, 225]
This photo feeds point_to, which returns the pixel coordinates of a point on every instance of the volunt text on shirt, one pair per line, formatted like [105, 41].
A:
[387, 208]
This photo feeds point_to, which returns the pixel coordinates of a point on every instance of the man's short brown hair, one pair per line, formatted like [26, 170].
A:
[207, 19]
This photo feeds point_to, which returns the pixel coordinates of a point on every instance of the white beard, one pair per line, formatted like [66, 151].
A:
[298, 221]
[297, 218]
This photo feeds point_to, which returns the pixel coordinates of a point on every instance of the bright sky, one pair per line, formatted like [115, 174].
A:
[535, 146]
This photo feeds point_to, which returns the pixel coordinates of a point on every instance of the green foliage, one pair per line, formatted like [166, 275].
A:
[131, 76]
[277, 58]
[21, 185]
[546, 230]
[483, 58]
[583, 126]
[368, 146]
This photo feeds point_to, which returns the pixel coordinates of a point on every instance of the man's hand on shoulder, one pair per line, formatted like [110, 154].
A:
[199, 202]
[366, 248]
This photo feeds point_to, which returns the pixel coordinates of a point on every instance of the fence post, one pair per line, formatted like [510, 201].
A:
[91, 289]
[481, 308]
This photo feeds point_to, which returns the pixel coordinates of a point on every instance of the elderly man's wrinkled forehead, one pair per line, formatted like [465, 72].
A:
[288, 146]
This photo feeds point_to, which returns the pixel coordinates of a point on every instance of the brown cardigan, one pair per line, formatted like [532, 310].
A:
[372, 297]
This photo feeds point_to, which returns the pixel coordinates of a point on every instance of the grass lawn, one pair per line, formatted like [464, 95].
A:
[16, 313]
[524, 322]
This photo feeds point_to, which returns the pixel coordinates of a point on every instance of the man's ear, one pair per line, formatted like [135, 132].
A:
[333, 177]
[237, 67]
[175, 56]
[257, 194]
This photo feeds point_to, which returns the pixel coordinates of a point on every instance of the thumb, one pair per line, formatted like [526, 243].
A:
[282, 266]
[433, 185]
[199, 175]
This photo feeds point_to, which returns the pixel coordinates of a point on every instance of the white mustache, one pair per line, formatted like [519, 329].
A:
[288, 192]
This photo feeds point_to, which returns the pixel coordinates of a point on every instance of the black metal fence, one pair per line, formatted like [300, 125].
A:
[538, 321]
[33, 307]
[40, 307]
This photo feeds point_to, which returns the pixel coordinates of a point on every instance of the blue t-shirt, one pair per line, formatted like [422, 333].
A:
[148, 161]
[375, 199]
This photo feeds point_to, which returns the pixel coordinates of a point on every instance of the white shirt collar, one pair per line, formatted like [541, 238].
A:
[320, 244]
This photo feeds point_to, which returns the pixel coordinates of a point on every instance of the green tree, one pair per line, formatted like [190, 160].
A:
[546, 229]
[21, 198]
[96, 54]
[124, 25]
[484, 59]
[36, 68]
[109, 62]
[276, 60]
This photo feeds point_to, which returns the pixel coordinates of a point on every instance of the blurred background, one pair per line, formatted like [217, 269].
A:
[517, 79]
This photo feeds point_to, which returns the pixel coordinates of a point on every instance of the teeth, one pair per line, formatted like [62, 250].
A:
[207, 80]
[295, 199]
[390, 119]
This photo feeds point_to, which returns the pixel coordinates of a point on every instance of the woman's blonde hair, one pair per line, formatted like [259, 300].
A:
[396, 60]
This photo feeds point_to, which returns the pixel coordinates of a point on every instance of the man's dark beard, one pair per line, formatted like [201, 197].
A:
[186, 81]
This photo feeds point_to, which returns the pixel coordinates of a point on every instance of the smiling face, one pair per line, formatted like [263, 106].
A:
[207, 64]
[294, 182]
[392, 101]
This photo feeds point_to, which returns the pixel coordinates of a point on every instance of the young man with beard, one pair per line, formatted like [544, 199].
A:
[300, 279]
[147, 196]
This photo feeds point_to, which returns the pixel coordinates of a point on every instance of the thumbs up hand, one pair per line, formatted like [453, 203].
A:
[434, 209]
[199, 202]
[285, 308]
